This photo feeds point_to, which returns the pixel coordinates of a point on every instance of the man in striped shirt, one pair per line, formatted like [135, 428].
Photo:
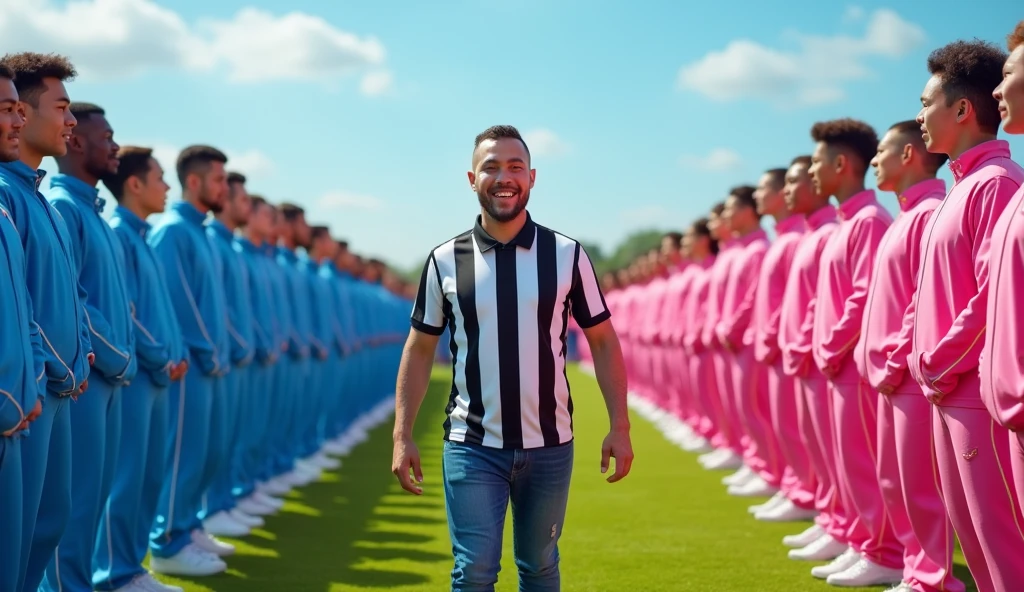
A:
[505, 290]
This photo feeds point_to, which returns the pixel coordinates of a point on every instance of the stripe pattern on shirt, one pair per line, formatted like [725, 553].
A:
[507, 308]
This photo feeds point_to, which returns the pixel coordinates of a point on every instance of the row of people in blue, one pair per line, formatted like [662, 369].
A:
[163, 385]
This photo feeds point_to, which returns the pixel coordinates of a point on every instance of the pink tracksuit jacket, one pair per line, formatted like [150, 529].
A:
[763, 333]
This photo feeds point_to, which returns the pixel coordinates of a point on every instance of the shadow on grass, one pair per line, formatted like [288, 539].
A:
[328, 531]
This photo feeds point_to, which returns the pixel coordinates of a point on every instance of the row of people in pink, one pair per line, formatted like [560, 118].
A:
[859, 367]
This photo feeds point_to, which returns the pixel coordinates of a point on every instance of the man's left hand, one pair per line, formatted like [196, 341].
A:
[617, 445]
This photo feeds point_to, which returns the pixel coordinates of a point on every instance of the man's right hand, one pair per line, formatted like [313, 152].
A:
[405, 464]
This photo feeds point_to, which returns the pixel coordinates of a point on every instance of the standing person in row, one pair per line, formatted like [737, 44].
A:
[960, 118]
[1001, 385]
[826, 539]
[702, 248]
[844, 149]
[56, 305]
[99, 266]
[904, 167]
[795, 499]
[748, 378]
[195, 284]
[222, 518]
[508, 286]
[122, 544]
[21, 353]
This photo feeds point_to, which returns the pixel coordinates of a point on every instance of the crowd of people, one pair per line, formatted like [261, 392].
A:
[865, 371]
[164, 385]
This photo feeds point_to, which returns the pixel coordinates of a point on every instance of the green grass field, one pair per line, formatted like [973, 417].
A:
[669, 526]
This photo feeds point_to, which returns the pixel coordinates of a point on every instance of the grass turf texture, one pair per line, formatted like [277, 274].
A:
[668, 527]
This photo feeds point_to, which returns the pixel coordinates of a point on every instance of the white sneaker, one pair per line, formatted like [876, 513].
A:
[148, 583]
[307, 472]
[713, 456]
[799, 541]
[223, 524]
[276, 487]
[334, 448]
[698, 445]
[190, 561]
[825, 548]
[902, 587]
[729, 460]
[756, 487]
[241, 517]
[252, 506]
[839, 564]
[740, 476]
[787, 511]
[210, 544]
[320, 460]
[268, 501]
[866, 573]
[777, 500]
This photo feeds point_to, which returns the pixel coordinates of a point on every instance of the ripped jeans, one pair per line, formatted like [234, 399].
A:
[478, 484]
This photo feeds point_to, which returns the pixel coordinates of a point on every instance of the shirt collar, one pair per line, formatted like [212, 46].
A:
[919, 191]
[794, 223]
[753, 236]
[973, 158]
[132, 220]
[524, 239]
[855, 204]
[80, 191]
[821, 217]
[189, 212]
[218, 227]
[31, 177]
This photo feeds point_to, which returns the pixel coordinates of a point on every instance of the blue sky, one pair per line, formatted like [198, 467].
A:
[639, 114]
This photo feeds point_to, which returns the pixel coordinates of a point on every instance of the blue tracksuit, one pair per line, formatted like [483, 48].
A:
[337, 303]
[293, 368]
[143, 459]
[345, 286]
[56, 305]
[302, 375]
[96, 418]
[195, 285]
[229, 407]
[21, 386]
[324, 381]
[267, 344]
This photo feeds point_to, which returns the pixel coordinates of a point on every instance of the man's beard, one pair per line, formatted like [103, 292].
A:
[214, 205]
[489, 204]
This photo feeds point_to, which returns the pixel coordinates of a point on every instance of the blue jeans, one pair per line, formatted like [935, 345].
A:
[478, 484]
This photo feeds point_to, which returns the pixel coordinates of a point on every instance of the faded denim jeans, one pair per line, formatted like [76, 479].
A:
[479, 482]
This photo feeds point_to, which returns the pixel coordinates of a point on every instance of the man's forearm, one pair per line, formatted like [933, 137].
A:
[611, 377]
[413, 378]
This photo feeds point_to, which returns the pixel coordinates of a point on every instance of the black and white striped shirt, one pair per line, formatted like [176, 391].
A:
[507, 308]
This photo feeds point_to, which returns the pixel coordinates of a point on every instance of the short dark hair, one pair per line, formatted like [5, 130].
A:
[30, 69]
[804, 159]
[6, 72]
[196, 159]
[911, 130]
[1016, 38]
[83, 111]
[700, 228]
[291, 212]
[777, 176]
[744, 194]
[343, 244]
[135, 161]
[258, 201]
[675, 237]
[718, 208]
[234, 177]
[849, 134]
[319, 231]
[971, 70]
[499, 132]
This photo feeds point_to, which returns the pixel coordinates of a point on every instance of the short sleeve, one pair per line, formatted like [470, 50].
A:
[585, 297]
[428, 310]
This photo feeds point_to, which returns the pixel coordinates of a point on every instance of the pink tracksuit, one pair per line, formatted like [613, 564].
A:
[722, 360]
[904, 446]
[1002, 360]
[796, 328]
[702, 372]
[972, 450]
[797, 479]
[847, 264]
[677, 364]
[650, 335]
[750, 408]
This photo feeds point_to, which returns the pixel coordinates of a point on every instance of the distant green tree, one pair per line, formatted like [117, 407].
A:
[636, 244]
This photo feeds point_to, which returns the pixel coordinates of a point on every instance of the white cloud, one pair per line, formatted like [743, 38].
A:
[815, 73]
[117, 38]
[544, 142]
[718, 160]
[375, 84]
[853, 14]
[344, 200]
